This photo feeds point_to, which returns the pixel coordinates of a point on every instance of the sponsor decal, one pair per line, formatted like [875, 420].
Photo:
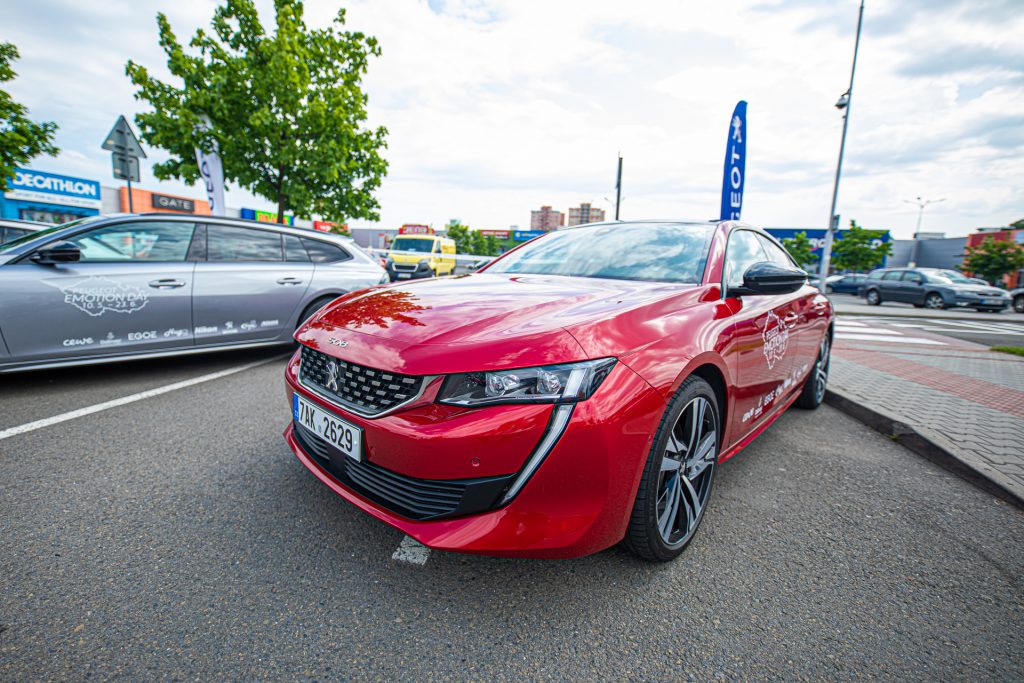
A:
[229, 328]
[776, 339]
[141, 336]
[269, 323]
[251, 325]
[97, 295]
[84, 341]
[207, 329]
[175, 332]
[766, 401]
[110, 339]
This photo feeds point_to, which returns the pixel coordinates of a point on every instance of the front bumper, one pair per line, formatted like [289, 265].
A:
[577, 502]
[408, 271]
[990, 303]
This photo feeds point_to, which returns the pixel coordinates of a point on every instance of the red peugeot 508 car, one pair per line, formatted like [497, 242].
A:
[579, 391]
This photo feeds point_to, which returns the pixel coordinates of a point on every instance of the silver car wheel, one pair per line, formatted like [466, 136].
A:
[687, 470]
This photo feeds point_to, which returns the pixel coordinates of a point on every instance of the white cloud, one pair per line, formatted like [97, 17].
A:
[496, 107]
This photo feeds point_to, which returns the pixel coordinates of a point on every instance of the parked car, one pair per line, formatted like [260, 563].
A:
[13, 229]
[931, 288]
[578, 391]
[134, 286]
[418, 256]
[844, 284]
[1017, 296]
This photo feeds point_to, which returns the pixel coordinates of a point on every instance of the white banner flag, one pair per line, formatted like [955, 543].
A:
[212, 173]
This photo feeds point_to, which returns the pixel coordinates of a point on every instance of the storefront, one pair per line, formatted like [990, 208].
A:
[264, 216]
[144, 201]
[49, 198]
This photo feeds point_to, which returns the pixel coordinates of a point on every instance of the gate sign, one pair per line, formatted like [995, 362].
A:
[735, 164]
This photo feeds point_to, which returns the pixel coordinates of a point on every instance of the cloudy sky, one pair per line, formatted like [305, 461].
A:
[496, 107]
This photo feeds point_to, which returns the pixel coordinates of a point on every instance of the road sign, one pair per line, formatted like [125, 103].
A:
[125, 167]
[121, 138]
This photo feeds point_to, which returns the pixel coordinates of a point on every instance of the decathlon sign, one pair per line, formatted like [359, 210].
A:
[50, 188]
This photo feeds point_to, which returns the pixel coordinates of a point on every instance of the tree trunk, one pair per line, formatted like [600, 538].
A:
[280, 194]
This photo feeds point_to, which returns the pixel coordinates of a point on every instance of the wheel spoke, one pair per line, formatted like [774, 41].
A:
[670, 464]
[668, 516]
[692, 502]
[673, 445]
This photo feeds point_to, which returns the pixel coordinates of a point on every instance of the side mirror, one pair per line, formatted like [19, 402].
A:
[59, 252]
[765, 277]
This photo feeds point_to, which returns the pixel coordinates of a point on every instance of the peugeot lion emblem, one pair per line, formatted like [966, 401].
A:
[332, 376]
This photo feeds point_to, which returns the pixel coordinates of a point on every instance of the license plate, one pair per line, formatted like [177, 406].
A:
[984, 302]
[404, 276]
[346, 437]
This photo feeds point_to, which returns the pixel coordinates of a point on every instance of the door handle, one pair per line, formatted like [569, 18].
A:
[166, 284]
[289, 281]
[790, 319]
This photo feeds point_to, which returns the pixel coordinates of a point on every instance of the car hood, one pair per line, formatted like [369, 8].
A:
[984, 290]
[477, 320]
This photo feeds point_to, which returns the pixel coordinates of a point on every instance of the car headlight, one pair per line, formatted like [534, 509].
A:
[564, 383]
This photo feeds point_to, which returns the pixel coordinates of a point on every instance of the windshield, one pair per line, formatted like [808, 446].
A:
[654, 252]
[412, 244]
[6, 246]
[946, 277]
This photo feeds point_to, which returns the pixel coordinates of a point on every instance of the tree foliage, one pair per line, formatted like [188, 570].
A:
[993, 259]
[286, 110]
[856, 251]
[799, 247]
[21, 139]
[472, 242]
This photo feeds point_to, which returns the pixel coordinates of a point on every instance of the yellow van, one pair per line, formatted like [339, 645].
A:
[418, 256]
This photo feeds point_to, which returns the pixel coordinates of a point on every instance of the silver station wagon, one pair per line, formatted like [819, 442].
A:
[145, 285]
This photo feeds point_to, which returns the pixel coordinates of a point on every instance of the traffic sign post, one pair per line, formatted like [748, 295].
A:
[125, 152]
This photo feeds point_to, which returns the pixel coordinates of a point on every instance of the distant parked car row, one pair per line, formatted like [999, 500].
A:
[935, 288]
[12, 230]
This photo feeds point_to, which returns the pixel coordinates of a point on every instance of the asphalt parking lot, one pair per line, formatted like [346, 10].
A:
[177, 537]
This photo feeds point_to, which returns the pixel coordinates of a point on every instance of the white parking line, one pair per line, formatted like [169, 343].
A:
[887, 338]
[106, 405]
[411, 551]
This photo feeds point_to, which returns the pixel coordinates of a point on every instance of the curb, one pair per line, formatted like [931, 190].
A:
[908, 313]
[921, 442]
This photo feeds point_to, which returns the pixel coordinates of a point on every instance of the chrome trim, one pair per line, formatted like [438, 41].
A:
[559, 421]
[427, 380]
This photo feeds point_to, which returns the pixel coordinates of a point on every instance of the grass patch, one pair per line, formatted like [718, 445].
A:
[1015, 350]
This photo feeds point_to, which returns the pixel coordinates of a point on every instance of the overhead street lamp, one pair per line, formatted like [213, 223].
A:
[921, 203]
[843, 105]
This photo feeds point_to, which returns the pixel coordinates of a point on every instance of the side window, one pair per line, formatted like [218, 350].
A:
[775, 253]
[892, 275]
[911, 276]
[293, 249]
[876, 274]
[228, 243]
[743, 250]
[148, 241]
[324, 252]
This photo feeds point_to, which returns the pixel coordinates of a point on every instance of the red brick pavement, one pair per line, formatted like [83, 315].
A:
[987, 394]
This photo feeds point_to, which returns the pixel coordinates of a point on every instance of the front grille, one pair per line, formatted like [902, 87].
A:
[364, 390]
[407, 267]
[412, 498]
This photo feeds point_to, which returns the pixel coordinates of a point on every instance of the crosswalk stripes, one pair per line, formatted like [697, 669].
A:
[860, 330]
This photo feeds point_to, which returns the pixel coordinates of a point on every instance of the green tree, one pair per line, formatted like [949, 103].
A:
[993, 259]
[800, 247]
[477, 243]
[459, 233]
[855, 250]
[21, 139]
[341, 229]
[491, 246]
[1018, 224]
[286, 110]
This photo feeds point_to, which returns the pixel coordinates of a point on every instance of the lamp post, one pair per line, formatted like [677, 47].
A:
[921, 203]
[843, 105]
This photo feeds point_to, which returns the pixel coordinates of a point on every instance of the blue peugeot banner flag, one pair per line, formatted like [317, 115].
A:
[735, 166]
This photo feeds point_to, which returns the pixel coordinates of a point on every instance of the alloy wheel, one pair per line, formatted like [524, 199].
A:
[873, 298]
[821, 370]
[687, 470]
[934, 301]
[1018, 304]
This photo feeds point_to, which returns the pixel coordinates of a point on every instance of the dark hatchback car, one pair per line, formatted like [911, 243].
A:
[931, 288]
[845, 284]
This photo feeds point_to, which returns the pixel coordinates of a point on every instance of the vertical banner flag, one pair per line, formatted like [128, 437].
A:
[212, 173]
[735, 164]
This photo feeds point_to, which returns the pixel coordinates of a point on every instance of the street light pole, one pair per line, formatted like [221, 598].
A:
[618, 188]
[921, 203]
[843, 104]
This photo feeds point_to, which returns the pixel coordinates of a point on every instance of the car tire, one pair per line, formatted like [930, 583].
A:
[671, 502]
[813, 393]
[934, 301]
[918, 305]
[828, 289]
[873, 297]
[309, 310]
[1018, 303]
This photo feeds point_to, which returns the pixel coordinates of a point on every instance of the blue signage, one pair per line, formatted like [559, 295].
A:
[524, 235]
[735, 164]
[816, 236]
[50, 188]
